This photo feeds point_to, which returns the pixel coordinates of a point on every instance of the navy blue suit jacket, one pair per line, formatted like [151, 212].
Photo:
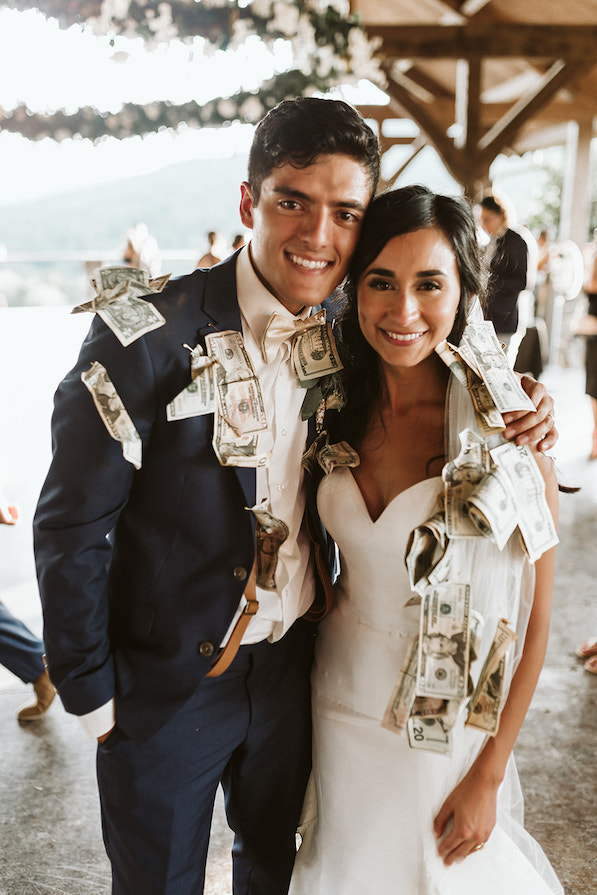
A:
[141, 572]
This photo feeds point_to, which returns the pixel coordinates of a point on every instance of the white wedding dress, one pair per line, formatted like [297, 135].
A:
[370, 828]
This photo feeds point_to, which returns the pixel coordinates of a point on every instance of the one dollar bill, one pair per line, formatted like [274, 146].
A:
[121, 301]
[314, 353]
[238, 389]
[199, 396]
[528, 488]
[113, 412]
[491, 364]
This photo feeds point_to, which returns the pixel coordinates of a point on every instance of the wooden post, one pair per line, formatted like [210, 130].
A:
[576, 192]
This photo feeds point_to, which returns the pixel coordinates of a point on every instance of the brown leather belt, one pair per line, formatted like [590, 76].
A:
[322, 604]
[230, 649]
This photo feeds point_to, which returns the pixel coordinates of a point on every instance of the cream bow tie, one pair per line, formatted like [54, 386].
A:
[280, 329]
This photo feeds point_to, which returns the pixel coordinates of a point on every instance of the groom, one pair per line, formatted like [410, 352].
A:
[147, 575]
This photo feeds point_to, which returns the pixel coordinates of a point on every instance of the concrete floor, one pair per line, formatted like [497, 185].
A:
[50, 839]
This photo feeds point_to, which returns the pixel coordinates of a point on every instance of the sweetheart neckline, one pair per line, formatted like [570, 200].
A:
[392, 501]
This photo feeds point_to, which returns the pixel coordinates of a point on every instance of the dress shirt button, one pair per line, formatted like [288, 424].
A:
[240, 573]
[206, 649]
[281, 486]
[284, 431]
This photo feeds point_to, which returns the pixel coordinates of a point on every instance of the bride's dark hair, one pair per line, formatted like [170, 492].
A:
[393, 214]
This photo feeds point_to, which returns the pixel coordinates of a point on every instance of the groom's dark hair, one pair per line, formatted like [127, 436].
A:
[298, 131]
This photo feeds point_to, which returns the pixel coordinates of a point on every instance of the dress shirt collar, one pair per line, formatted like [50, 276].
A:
[256, 303]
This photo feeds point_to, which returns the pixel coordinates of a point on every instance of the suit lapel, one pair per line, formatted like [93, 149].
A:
[219, 303]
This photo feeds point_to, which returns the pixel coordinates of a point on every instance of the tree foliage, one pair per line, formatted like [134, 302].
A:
[328, 45]
[547, 197]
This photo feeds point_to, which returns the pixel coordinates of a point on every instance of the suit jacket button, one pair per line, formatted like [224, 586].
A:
[240, 573]
[206, 649]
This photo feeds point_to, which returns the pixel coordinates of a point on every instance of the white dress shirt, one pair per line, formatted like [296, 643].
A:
[281, 483]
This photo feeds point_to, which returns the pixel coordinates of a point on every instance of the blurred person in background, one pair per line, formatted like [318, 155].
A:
[215, 251]
[545, 250]
[590, 288]
[544, 246]
[21, 652]
[141, 250]
[507, 255]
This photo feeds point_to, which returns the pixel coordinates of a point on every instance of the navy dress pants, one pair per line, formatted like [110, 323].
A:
[250, 730]
[20, 650]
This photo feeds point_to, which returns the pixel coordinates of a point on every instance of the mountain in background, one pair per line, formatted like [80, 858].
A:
[179, 204]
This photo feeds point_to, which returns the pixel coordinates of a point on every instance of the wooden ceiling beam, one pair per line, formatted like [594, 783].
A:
[467, 104]
[386, 143]
[400, 96]
[505, 39]
[504, 130]
[560, 54]
[375, 113]
[459, 10]
[556, 111]
[428, 83]
[447, 11]
[543, 138]
[449, 5]
[418, 144]
[464, 8]
[472, 7]
[399, 141]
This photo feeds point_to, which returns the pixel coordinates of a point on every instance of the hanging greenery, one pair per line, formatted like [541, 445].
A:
[328, 48]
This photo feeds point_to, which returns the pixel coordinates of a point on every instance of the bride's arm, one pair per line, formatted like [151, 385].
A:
[472, 804]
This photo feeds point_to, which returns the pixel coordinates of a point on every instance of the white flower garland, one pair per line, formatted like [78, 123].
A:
[329, 48]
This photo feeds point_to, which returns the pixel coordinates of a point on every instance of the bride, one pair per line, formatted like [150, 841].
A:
[392, 818]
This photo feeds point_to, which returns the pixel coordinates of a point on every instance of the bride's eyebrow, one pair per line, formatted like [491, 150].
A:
[380, 271]
[386, 272]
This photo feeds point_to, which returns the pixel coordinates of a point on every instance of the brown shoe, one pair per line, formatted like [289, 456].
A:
[45, 693]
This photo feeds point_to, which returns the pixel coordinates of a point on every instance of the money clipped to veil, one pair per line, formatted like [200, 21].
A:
[470, 565]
